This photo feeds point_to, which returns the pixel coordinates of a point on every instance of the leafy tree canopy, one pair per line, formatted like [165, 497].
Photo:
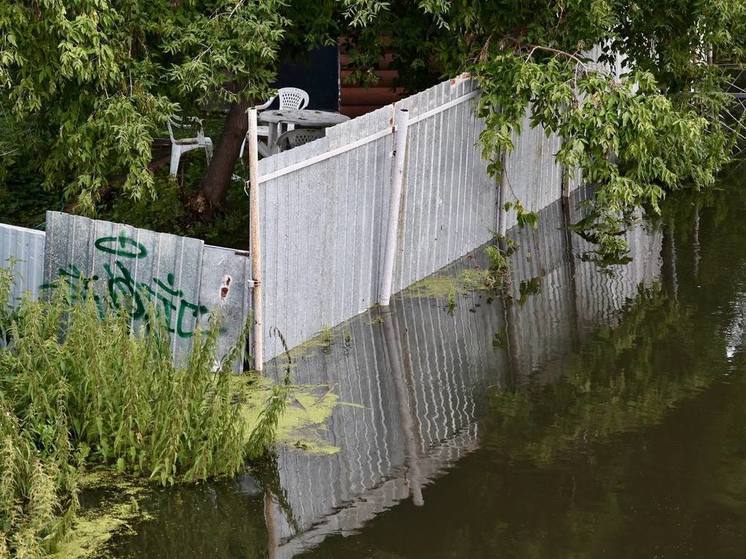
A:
[85, 85]
[660, 121]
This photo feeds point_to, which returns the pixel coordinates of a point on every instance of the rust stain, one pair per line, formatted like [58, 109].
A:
[225, 287]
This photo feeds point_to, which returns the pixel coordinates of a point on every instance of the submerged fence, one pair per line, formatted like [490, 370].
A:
[342, 221]
[325, 208]
[418, 376]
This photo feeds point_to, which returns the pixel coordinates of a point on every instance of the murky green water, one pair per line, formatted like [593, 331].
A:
[587, 414]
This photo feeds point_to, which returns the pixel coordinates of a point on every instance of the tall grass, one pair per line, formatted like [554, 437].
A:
[78, 390]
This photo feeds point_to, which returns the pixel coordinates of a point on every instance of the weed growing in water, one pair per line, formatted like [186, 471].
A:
[499, 256]
[77, 390]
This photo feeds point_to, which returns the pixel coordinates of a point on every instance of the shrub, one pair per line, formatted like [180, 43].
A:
[80, 390]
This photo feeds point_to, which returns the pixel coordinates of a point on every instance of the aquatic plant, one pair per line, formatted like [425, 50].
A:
[78, 390]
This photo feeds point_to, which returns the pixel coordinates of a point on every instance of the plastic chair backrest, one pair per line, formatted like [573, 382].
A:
[292, 98]
[175, 121]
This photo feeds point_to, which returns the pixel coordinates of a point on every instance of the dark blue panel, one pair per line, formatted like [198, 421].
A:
[318, 73]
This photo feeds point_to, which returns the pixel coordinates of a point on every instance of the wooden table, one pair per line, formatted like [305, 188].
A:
[305, 118]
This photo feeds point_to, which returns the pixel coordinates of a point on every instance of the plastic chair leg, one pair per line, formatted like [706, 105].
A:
[175, 157]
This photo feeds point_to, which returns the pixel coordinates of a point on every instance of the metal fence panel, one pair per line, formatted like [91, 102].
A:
[225, 290]
[131, 267]
[324, 223]
[183, 279]
[531, 175]
[449, 205]
[323, 231]
[22, 250]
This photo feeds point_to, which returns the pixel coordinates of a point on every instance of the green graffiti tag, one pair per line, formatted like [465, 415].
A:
[122, 245]
[176, 311]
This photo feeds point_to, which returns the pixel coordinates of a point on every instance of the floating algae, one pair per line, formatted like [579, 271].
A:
[448, 286]
[117, 497]
[116, 507]
[303, 423]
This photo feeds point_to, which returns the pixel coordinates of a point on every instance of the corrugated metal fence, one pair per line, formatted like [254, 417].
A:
[22, 250]
[324, 211]
[324, 207]
[186, 280]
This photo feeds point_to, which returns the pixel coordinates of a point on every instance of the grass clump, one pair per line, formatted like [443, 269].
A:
[78, 391]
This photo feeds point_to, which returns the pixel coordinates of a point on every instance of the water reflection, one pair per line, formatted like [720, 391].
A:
[533, 409]
[418, 376]
[422, 371]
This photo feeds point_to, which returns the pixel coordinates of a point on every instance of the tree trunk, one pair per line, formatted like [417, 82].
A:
[217, 179]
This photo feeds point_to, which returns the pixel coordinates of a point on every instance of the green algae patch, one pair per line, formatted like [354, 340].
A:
[449, 286]
[303, 423]
[115, 510]
[321, 341]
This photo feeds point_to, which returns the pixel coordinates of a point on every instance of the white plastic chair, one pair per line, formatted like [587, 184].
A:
[294, 138]
[290, 98]
[180, 146]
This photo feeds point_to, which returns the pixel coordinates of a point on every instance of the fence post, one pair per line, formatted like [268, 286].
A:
[401, 125]
[255, 245]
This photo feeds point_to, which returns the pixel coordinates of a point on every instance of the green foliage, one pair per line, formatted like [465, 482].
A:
[523, 217]
[126, 404]
[498, 254]
[85, 86]
[624, 136]
[654, 129]
[78, 390]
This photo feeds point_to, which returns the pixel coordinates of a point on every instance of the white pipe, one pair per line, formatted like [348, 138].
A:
[401, 124]
[255, 244]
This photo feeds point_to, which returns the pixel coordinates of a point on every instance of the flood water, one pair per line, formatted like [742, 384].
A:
[581, 413]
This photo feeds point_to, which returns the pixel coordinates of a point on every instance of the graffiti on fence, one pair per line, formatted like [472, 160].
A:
[121, 288]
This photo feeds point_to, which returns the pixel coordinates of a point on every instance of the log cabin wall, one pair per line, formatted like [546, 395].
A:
[356, 100]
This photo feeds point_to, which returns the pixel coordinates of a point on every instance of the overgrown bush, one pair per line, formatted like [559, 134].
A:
[78, 390]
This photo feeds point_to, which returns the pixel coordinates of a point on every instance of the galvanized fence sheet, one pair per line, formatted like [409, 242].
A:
[531, 175]
[323, 231]
[185, 281]
[324, 218]
[22, 251]
[449, 202]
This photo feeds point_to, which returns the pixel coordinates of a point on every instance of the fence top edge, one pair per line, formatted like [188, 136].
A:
[283, 163]
[20, 229]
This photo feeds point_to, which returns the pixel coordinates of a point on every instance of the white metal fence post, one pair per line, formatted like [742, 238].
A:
[401, 126]
[255, 243]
